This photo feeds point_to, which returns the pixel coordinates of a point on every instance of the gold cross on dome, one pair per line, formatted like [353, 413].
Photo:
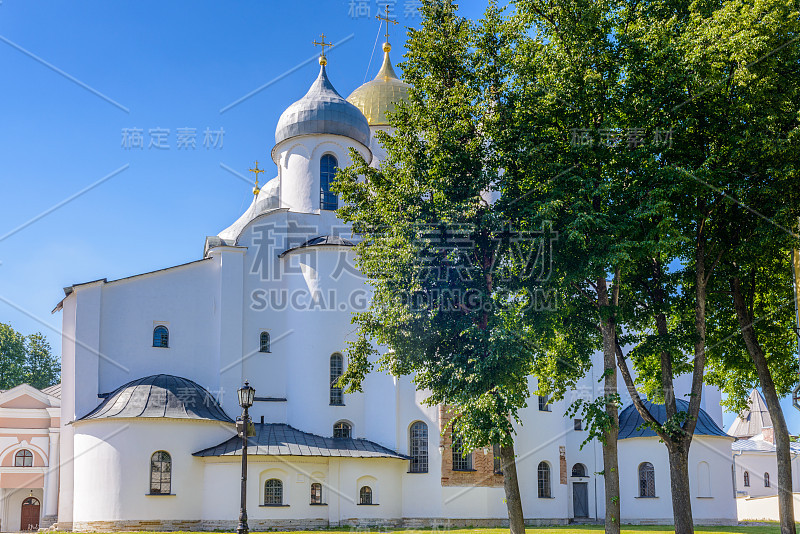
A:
[322, 44]
[387, 20]
[256, 171]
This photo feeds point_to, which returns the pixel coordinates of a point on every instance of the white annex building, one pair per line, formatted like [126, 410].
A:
[151, 365]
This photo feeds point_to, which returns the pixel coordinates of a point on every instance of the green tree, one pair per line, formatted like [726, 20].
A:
[12, 357]
[26, 359]
[453, 280]
[42, 368]
[736, 117]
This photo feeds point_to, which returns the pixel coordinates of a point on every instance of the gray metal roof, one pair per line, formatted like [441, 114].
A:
[323, 111]
[759, 445]
[630, 421]
[53, 391]
[277, 439]
[753, 421]
[160, 396]
[321, 240]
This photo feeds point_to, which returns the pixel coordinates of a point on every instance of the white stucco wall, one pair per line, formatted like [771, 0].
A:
[717, 507]
[118, 451]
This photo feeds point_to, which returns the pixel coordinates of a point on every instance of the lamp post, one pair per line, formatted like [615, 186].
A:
[246, 395]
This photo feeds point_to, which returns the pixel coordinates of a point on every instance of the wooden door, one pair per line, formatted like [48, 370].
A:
[30, 514]
[580, 499]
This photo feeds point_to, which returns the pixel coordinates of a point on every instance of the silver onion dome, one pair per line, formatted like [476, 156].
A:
[323, 111]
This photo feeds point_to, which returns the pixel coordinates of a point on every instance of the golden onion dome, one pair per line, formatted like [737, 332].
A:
[380, 95]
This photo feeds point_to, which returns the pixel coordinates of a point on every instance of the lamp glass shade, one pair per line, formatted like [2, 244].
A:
[246, 395]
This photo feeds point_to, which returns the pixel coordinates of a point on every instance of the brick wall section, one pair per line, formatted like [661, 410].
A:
[483, 464]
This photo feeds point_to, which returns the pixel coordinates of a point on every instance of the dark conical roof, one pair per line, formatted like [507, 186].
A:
[159, 396]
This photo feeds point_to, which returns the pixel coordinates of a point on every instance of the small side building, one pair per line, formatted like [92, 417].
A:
[29, 450]
[644, 471]
[756, 464]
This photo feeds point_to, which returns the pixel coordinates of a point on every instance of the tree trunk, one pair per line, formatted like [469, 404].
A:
[781, 431]
[679, 485]
[516, 521]
[610, 460]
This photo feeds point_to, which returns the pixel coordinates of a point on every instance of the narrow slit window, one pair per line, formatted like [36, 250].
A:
[327, 173]
[337, 367]
[418, 447]
[264, 342]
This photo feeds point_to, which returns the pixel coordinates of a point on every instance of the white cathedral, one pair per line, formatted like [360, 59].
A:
[152, 363]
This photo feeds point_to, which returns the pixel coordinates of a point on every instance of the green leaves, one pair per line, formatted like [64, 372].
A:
[26, 360]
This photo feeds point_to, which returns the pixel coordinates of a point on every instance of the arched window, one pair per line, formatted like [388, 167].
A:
[460, 461]
[264, 342]
[418, 447]
[160, 336]
[160, 473]
[343, 430]
[365, 495]
[579, 470]
[316, 493]
[647, 480]
[327, 172]
[337, 367]
[746, 479]
[273, 492]
[497, 461]
[544, 480]
[766, 480]
[23, 458]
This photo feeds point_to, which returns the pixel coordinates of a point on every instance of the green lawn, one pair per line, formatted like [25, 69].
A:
[572, 529]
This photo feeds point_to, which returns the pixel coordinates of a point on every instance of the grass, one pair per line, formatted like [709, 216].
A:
[760, 528]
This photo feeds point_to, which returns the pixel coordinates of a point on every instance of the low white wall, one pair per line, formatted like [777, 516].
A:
[763, 508]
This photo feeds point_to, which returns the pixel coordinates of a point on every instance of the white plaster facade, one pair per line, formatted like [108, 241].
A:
[254, 278]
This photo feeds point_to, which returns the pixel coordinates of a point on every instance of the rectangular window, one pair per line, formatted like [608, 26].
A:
[498, 462]
[316, 493]
[461, 462]
[578, 424]
[544, 406]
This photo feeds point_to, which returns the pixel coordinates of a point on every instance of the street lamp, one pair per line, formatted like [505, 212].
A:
[246, 395]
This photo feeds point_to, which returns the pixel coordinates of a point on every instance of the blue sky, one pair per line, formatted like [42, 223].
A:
[76, 74]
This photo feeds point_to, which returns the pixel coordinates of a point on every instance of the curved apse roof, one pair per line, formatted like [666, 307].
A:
[160, 396]
[630, 421]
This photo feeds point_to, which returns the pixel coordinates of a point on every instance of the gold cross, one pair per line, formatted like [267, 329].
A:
[257, 171]
[388, 21]
[322, 44]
